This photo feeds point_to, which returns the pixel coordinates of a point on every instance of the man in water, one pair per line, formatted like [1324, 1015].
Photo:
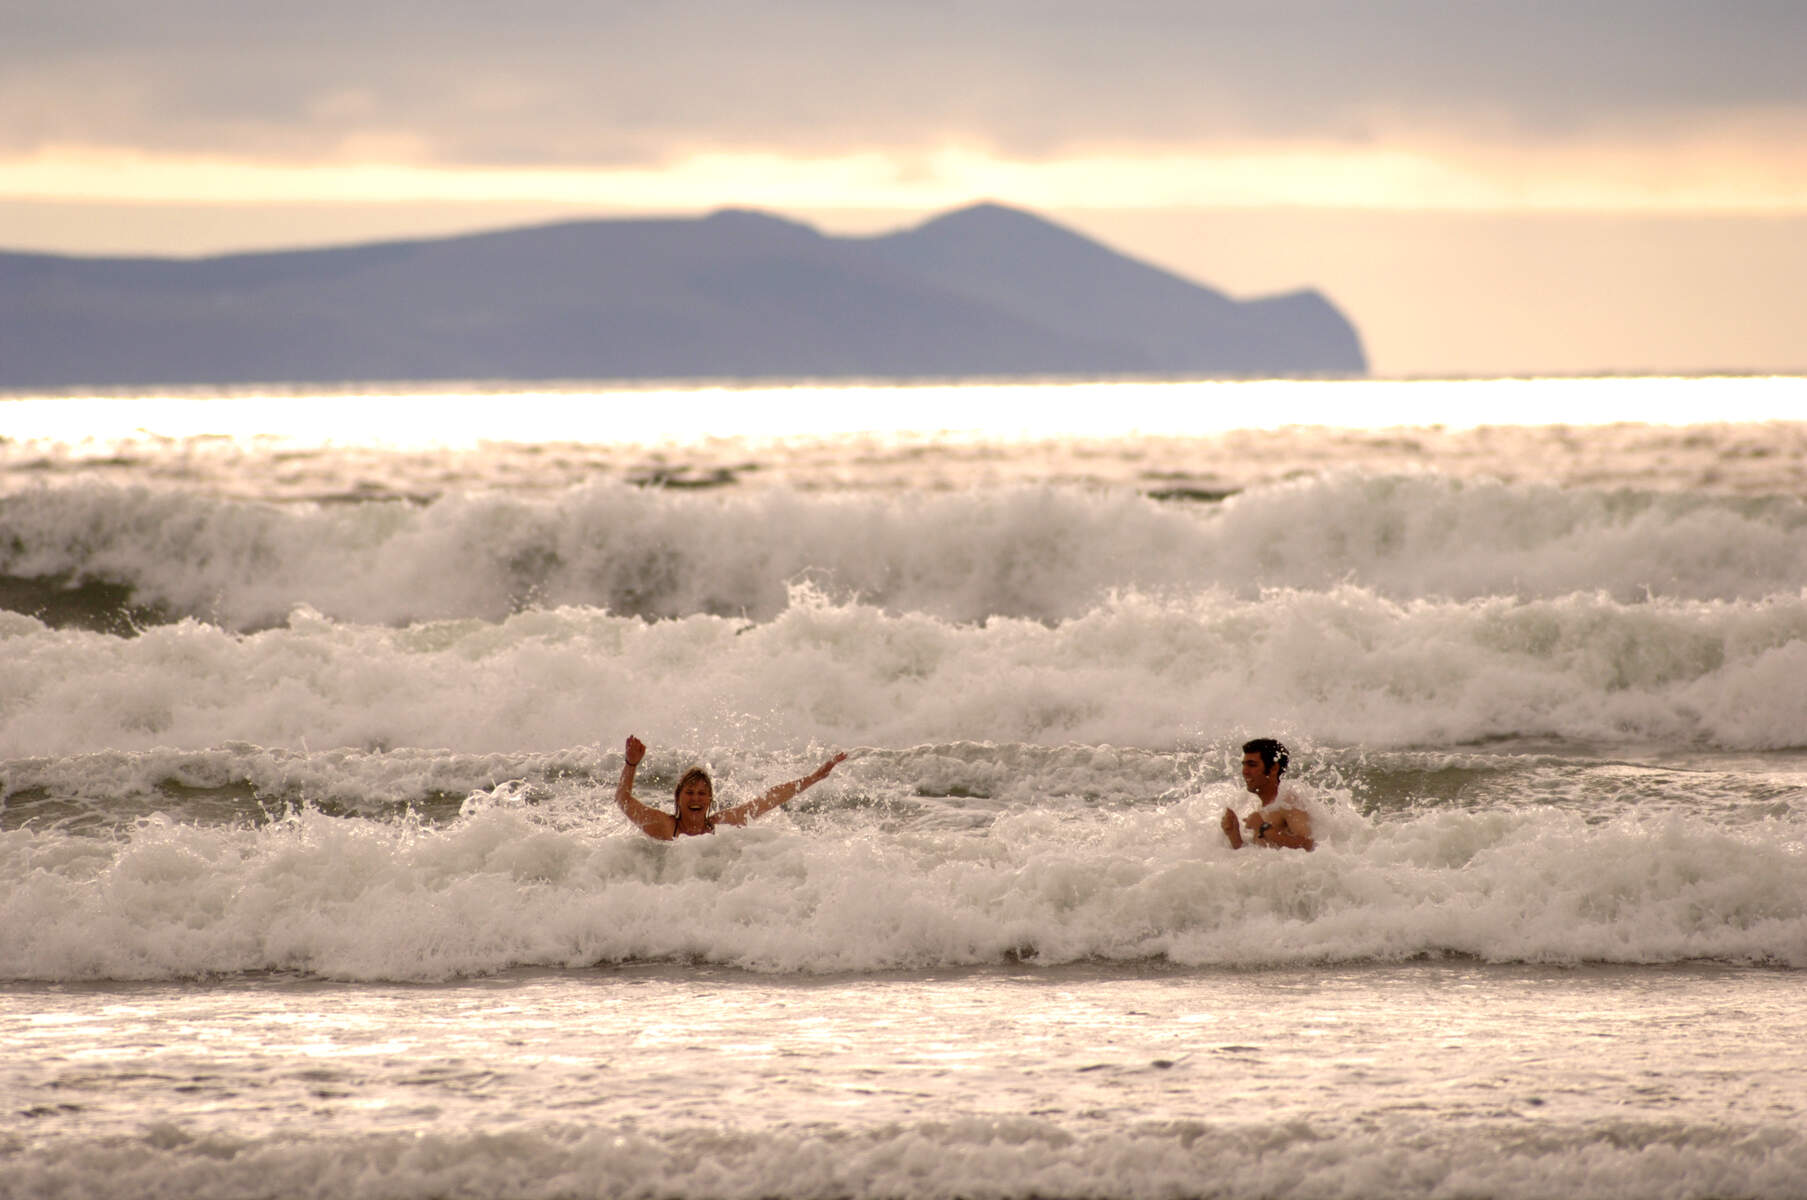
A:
[1281, 821]
[695, 793]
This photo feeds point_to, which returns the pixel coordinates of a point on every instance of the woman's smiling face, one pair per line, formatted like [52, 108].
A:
[695, 795]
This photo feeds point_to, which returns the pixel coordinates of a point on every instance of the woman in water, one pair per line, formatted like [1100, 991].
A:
[694, 796]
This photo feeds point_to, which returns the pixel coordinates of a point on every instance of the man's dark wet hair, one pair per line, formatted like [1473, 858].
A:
[1271, 752]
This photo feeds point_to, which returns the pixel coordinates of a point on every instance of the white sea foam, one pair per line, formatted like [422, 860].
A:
[1034, 552]
[1544, 685]
[851, 887]
[1345, 666]
[975, 1156]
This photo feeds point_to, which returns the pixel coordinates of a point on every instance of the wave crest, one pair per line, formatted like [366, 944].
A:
[1037, 553]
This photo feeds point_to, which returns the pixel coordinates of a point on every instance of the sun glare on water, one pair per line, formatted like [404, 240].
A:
[624, 414]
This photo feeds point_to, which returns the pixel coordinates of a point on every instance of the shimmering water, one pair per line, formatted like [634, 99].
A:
[311, 883]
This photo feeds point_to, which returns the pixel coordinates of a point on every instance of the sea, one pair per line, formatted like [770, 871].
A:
[313, 702]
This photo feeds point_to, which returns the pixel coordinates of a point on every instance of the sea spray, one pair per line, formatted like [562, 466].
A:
[1351, 666]
[557, 879]
[311, 880]
[1037, 553]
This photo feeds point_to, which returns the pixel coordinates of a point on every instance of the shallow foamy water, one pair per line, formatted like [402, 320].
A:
[1435, 1077]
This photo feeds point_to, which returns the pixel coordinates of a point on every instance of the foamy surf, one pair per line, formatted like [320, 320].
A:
[1351, 666]
[311, 881]
[976, 1156]
[876, 875]
[1037, 553]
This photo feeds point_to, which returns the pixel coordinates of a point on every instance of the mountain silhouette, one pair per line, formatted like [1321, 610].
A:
[986, 290]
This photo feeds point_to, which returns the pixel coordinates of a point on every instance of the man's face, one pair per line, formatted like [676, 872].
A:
[1255, 772]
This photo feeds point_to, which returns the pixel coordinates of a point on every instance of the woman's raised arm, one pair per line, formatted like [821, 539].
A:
[661, 825]
[740, 814]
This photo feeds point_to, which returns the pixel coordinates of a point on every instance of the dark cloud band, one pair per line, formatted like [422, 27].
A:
[550, 81]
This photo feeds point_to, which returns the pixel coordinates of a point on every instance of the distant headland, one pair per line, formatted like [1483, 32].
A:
[981, 291]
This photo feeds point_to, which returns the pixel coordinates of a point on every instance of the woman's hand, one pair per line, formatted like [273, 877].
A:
[636, 750]
[740, 814]
[821, 772]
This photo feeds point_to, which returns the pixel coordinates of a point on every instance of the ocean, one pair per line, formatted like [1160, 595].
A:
[313, 702]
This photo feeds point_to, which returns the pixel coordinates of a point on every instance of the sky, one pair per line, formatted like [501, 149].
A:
[1521, 187]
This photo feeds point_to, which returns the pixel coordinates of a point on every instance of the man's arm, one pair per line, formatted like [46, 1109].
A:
[740, 814]
[1274, 828]
[652, 822]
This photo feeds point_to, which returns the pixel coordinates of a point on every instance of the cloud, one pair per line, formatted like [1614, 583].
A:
[563, 83]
